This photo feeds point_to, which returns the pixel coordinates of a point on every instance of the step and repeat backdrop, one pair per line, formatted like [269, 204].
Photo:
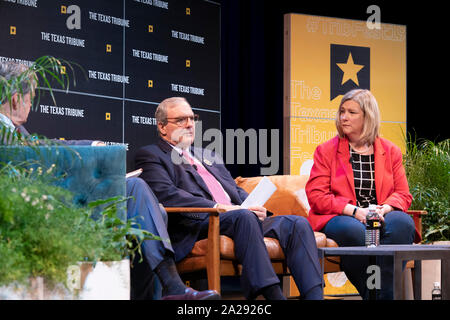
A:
[127, 56]
[324, 59]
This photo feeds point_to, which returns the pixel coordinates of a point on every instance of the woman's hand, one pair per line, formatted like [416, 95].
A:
[361, 214]
[384, 209]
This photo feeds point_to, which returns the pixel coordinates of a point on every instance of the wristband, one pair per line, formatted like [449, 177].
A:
[354, 212]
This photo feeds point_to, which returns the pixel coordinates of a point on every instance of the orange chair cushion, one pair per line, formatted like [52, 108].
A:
[227, 247]
[284, 200]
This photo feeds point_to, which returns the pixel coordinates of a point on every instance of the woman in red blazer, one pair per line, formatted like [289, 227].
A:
[354, 169]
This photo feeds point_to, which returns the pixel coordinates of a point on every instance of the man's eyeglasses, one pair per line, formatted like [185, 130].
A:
[182, 121]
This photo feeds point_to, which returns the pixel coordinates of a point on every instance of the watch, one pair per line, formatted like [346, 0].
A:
[354, 212]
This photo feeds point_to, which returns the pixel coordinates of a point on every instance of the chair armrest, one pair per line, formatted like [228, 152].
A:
[417, 218]
[211, 211]
[213, 252]
[417, 212]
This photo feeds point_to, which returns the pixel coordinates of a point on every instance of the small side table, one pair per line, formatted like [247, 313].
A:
[402, 253]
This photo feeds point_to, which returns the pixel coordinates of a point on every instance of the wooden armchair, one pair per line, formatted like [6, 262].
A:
[210, 257]
[417, 217]
[216, 253]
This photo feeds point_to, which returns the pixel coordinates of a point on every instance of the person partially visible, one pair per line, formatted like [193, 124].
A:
[158, 256]
[142, 205]
[184, 176]
[352, 170]
[14, 112]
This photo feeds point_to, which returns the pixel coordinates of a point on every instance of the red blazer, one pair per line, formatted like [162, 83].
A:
[331, 183]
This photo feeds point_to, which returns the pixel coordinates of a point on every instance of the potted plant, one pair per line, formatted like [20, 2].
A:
[42, 233]
[105, 274]
[427, 166]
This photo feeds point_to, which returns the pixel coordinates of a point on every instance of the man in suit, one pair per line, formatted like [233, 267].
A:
[184, 176]
[142, 203]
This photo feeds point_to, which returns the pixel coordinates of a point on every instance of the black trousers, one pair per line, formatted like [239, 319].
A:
[296, 239]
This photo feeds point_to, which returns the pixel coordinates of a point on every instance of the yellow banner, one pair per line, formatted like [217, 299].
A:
[324, 59]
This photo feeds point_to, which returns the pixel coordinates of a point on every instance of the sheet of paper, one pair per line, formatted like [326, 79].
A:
[134, 173]
[262, 192]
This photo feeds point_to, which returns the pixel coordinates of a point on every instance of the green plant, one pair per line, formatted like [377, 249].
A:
[35, 223]
[119, 239]
[45, 69]
[427, 166]
[42, 232]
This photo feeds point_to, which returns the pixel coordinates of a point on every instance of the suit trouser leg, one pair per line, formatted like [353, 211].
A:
[298, 242]
[245, 229]
[145, 209]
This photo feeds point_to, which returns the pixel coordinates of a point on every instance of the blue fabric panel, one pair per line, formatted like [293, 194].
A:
[90, 173]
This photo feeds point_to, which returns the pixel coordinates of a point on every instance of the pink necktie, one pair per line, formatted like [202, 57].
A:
[211, 182]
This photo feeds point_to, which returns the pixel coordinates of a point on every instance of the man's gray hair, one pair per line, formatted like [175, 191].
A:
[10, 70]
[161, 110]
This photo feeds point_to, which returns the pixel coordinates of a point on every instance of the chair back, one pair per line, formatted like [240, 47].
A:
[90, 173]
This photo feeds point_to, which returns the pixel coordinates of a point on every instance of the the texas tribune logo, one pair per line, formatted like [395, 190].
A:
[349, 69]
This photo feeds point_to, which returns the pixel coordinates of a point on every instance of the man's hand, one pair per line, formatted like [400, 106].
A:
[260, 212]
[228, 207]
[97, 143]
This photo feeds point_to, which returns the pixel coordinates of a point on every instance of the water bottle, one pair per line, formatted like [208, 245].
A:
[373, 227]
[436, 293]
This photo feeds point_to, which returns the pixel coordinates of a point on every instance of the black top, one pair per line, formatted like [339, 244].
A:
[364, 178]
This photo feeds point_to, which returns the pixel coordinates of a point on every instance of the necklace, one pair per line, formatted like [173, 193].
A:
[362, 151]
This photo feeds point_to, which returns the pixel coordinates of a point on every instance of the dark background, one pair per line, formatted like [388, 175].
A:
[97, 97]
[251, 73]
[252, 62]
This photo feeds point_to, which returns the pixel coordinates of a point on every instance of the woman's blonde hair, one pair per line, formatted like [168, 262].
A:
[369, 107]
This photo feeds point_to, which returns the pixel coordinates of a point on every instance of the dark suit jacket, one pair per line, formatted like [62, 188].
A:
[179, 185]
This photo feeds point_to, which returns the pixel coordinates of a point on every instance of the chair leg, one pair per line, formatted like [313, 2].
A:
[213, 254]
[407, 285]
